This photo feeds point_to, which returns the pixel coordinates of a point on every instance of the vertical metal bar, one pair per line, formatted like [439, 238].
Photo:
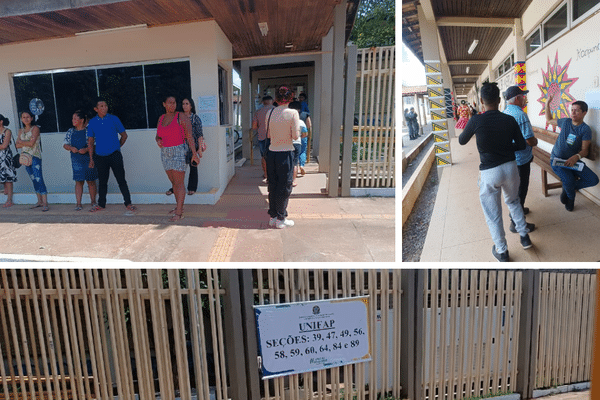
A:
[32, 336]
[349, 119]
[453, 377]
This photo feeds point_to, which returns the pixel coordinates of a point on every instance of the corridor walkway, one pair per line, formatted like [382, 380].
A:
[458, 232]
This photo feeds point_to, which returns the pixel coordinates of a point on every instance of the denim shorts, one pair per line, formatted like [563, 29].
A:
[263, 145]
[173, 158]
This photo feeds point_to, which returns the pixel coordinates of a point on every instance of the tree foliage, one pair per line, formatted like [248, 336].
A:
[375, 24]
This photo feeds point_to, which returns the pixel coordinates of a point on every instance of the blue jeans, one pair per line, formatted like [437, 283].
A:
[303, 151]
[35, 173]
[570, 181]
[492, 183]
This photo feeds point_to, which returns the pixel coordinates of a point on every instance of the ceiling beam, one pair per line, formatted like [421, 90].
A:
[428, 10]
[465, 76]
[476, 22]
[467, 62]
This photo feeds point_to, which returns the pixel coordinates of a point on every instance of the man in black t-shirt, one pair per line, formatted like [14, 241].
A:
[498, 136]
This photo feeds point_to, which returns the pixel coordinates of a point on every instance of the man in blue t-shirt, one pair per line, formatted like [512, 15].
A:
[573, 143]
[517, 100]
[106, 135]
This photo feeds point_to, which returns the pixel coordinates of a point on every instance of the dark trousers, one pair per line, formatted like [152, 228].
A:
[104, 164]
[192, 185]
[280, 173]
[524, 172]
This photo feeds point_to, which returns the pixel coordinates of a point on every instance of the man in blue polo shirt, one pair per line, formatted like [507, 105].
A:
[517, 100]
[106, 135]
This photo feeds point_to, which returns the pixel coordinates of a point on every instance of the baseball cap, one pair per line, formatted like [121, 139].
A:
[514, 91]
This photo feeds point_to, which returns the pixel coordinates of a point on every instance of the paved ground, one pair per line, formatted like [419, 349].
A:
[585, 395]
[458, 232]
[235, 229]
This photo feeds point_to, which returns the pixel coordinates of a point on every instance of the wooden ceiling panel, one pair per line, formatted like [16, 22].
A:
[474, 69]
[478, 8]
[302, 23]
[457, 40]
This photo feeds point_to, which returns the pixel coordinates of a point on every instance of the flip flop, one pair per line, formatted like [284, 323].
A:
[169, 192]
[176, 217]
[78, 208]
[131, 207]
[36, 206]
[45, 208]
[96, 208]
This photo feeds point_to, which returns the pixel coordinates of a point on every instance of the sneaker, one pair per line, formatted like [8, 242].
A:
[526, 242]
[283, 224]
[272, 222]
[501, 257]
[563, 197]
[570, 205]
[513, 228]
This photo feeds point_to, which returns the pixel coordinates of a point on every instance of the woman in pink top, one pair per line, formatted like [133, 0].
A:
[283, 127]
[172, 131]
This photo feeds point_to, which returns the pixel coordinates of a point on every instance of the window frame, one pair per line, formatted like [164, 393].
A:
[549, 17]
[95, 68]
[538, 30]
[584, 16]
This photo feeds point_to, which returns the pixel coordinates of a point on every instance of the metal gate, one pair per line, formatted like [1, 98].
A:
[86, 334]
[471, 332]
[374, 133]
[377, 379]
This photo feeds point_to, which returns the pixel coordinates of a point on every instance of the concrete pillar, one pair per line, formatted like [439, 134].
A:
[411, 362]
[247, 109]
[336, 105]
[326, 100]
[437, 78]
[528, 333]
[349, 119]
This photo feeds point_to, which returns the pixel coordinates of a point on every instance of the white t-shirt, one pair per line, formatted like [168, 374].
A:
[283, 128]
[303, 129]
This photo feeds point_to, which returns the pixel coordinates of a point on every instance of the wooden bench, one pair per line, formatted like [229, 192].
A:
[542, 158]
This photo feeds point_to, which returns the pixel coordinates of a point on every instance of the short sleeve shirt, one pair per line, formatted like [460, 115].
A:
[522, 156]
[570, 139]
[106, 133]
[259, 117]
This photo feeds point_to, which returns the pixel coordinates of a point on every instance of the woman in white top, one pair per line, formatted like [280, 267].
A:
[283, 127]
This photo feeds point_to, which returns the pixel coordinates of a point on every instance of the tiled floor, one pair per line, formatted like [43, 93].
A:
[458, 232]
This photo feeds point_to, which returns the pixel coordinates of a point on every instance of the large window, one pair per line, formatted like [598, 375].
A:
[223, 96]
[580, 7]
[556, 23]
[533, 42]
[134, 93]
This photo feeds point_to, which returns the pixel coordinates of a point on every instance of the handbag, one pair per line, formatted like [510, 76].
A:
[25, 159]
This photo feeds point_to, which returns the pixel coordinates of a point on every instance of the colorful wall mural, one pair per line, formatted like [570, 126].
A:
[557, 83]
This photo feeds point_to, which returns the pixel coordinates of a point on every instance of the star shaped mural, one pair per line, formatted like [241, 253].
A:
[557, 83]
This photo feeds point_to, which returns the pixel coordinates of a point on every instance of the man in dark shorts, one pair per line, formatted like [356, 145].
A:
[498, 136]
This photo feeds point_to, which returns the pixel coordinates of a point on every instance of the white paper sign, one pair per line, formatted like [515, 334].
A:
[208, 118]
[313, 335]
[207, 103]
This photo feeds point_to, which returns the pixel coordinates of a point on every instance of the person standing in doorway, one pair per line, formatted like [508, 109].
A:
[283, 127]
[106, 135]
[498, 137]
[517, 100]
[259, 126]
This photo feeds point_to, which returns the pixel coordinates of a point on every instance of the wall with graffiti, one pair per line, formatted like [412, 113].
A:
[568, 68]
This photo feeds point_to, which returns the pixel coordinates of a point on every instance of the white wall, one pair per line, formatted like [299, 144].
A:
[203, 43]
[585, 69]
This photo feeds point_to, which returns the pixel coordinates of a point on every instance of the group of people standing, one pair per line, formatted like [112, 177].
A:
[95, 149]
[412, 123]
[505, 141]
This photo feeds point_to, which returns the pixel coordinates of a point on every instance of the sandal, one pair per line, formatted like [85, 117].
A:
[131, 207]
[96, 208]
[169, 192]
[36, 206]
[176, 217]
[302, 171]
[79, 207]
[173, 211]
[191, 192]
[45, 208]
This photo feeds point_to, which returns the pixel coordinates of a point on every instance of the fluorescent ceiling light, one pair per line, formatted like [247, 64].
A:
[264, 28]
[468, 69]
[473, 45]
[122, 28]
